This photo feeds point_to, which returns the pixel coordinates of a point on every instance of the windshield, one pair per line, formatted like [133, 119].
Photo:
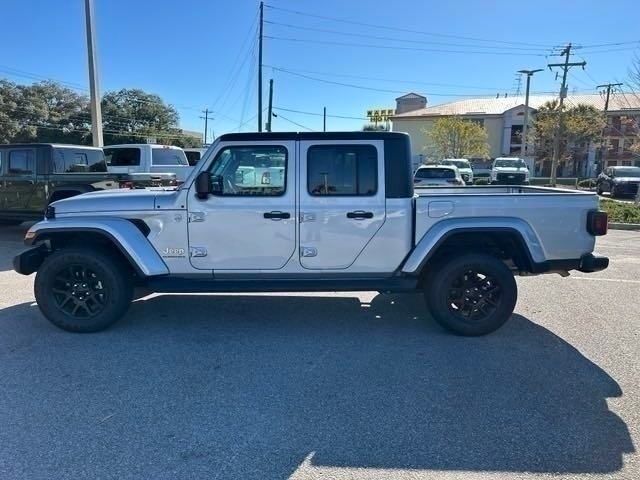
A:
[510, 163]
[626, 172]
[168, 156]
[435, 173]
[457, 163]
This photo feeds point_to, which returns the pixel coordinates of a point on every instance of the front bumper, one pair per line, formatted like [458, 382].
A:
[30, 260]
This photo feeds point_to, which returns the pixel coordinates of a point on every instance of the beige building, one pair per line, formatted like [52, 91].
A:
[503, 118]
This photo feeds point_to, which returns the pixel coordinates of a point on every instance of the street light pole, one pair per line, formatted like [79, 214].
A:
[96, 112]
[525, 126]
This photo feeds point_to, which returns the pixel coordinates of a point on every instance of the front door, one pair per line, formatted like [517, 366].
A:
[19, 167]
[250, 223]
[342, 201]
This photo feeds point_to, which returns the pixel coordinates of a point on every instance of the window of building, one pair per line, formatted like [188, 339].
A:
[342, 170]
[614, 145]
[612, 163]
[477, 121]
[21, 162]
[516, 134]
[77, 160]
[627, 144]
[122, 157]
[626, 163]
[251, 171]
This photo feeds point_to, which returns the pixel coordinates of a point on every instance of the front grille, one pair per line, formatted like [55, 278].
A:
[627, 188]
[511, 177]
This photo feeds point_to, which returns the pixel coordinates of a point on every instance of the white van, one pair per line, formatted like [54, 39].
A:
[147, 158]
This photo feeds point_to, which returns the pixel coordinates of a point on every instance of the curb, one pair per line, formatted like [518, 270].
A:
[624, 226]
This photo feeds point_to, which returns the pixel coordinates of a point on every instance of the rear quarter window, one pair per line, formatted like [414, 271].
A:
[122, 157]
[168, 156]
[78, 160]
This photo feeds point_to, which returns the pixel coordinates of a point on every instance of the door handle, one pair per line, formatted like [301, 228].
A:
[359, 215]
[277, 215]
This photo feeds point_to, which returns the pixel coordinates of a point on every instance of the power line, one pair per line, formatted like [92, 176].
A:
[399, 29]
[383, 90]
[395, 39]
[378, 79]
[295, 123]
[317, 114]
[392, 47]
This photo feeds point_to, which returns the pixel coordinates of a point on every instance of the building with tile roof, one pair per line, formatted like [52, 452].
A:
[503, 118]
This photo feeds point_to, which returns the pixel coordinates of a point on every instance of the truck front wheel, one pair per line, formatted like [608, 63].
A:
[472, 294]
[83, 290]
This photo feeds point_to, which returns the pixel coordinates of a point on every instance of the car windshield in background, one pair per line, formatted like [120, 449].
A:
[511, 163]
[457, 163]
[627, 172]
[435, 173]
[168, 156]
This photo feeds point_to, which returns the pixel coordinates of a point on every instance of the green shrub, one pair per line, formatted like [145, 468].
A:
[621, 212]
[481, 181]
[588, 183]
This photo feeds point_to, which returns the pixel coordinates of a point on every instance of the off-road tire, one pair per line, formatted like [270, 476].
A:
[105, 288]
[495, 294]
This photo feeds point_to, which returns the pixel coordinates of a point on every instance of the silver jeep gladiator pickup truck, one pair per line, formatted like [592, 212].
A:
[308, 212]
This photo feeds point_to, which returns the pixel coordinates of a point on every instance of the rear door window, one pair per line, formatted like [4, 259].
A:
[77, 160]
[122, 157]
[342, 170]
[168, 156]
[21, 162]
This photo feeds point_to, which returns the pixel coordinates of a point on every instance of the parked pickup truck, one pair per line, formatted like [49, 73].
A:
[345, 218]
[147, 158]
[35, 174]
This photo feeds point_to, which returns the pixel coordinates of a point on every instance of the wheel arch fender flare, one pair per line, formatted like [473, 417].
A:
[428, 245]
[121, 233]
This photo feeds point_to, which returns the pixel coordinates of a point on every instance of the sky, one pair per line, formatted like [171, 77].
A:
[347, 56]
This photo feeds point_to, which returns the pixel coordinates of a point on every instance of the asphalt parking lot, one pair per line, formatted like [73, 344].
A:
[327, 386]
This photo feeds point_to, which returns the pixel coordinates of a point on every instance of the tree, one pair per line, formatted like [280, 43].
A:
[634, 84]
[49, 112]
[44, 111]
[133, 116]
[455, 137]
[582, 126]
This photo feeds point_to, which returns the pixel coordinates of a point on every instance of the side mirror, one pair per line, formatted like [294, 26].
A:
[203, 185]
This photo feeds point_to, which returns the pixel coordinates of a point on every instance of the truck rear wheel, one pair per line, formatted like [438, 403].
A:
[83, 290]
[472, 294]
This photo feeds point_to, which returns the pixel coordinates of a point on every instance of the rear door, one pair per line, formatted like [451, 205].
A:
[20, 179]
[342, 200]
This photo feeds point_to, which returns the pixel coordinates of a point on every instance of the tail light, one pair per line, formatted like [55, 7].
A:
[597, 223]
[126, 184]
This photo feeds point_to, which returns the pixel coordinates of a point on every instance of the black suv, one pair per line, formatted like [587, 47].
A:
[36, 174]
[619, 181]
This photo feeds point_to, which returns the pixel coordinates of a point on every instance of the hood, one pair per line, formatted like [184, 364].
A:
[121, 200]
[627, 179]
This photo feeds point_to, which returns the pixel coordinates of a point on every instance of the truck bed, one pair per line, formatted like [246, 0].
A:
[554, 219]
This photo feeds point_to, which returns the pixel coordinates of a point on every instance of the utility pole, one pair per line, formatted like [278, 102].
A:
[96, 112]
[324, 119]
[566, 52]
[260, 69]
[206, 119]
[609, 87]
[270, 109]
[525, 125]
